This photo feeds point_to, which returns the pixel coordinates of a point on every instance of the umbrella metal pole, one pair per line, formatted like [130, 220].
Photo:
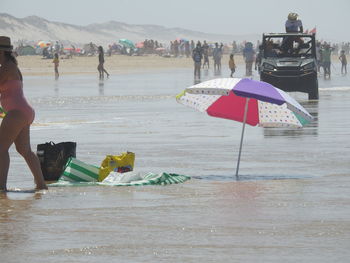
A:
[241, 144]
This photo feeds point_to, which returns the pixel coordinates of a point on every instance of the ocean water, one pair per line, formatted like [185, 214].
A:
[291, 201]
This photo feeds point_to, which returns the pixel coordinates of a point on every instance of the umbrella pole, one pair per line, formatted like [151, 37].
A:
[241, 144]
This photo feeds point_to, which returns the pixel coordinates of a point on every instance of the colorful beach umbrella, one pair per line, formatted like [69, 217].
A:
[247, 101]
[140, 45]
[127, 43]
[43, 44]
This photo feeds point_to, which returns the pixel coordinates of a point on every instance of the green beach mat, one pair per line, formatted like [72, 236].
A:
[131, 179]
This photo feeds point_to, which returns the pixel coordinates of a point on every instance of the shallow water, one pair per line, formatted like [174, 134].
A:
[291, 201]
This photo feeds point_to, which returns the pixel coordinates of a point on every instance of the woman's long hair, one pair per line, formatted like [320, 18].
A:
[9, 56]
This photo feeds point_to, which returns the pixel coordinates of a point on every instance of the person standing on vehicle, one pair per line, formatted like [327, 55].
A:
[197, 57]
[292, 25]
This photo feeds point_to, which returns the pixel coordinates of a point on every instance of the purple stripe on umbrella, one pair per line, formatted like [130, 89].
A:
[258, 90]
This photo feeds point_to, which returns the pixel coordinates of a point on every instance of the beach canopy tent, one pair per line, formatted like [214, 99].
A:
[90, 48]
[26, 51]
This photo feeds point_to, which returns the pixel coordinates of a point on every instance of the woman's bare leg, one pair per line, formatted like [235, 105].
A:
[10, 127]
[106, 72]
[22, 143]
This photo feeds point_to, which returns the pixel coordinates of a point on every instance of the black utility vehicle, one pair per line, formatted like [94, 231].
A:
[288, 61]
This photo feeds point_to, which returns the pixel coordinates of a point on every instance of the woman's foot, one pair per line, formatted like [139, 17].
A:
[41, 187]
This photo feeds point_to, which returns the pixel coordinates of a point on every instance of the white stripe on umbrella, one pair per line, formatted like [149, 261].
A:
[198, 102]
[222, 86]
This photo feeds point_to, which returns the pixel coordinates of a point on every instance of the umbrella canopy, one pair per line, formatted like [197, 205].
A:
[226, 98]
[140, 45]
[247, 101]
[43, 44]
[126, 43]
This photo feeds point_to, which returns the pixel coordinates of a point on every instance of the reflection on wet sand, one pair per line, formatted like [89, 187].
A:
[15, 216]
[101, 87]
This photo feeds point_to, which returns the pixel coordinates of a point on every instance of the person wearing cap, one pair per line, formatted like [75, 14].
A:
[15, 126]
[292, 25]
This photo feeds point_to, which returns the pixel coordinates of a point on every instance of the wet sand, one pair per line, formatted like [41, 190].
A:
[291, 202]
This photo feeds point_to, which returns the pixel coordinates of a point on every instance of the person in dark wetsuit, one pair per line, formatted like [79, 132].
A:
[101, 61]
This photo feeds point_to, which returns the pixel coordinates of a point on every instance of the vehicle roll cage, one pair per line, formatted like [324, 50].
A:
[310, 44]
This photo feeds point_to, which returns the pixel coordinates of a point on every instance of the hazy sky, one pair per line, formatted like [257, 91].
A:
[211, 16]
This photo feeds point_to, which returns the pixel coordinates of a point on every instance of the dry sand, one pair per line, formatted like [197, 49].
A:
[116, 64]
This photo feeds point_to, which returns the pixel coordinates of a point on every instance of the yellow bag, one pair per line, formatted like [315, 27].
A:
[118, 163]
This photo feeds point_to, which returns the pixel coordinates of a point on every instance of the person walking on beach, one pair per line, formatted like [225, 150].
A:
[197, 57]
[343, 61]
[217, 54]
[326, 59]
[187, 49]
[232, 65]
[205, 49]
[101, 61]
[249, 56]
[56, 63]
[15, 127]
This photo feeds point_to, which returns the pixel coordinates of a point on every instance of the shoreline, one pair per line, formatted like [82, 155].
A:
[115, 64]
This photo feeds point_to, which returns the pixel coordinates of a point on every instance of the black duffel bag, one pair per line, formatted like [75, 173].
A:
[53, 158]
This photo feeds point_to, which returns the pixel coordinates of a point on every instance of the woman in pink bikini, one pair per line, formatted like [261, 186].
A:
[15, 125]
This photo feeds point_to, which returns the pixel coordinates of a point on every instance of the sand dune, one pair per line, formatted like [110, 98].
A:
[33, 29]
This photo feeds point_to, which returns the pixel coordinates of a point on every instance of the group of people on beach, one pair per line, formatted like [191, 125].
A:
[324, 59]
[100, 68]
[201, 53]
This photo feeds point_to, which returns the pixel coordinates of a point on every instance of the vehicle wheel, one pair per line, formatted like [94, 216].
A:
[313, 94]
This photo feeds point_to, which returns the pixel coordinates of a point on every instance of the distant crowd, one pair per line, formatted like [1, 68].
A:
[200, 52]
